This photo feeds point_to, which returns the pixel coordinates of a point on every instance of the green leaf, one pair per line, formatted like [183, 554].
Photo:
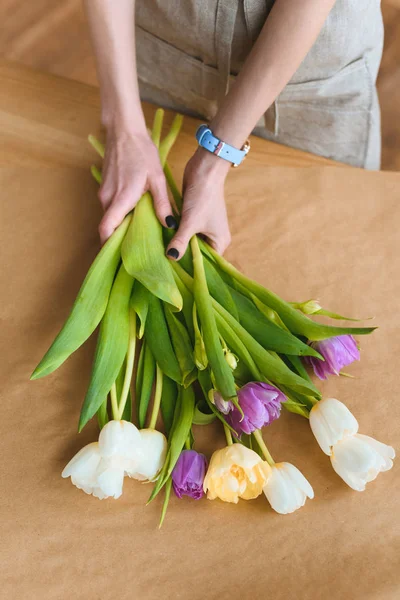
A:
[89, 306]
[182, 426]
[332, 315]
[269, 335]
[200, 354]
[168, 486]
[157, 126]
[237, 345]
[143, 254]
[182, 422]
[173, 187]
[188, 303]
[96, 174]
[144, 382]
[202, 416]
[182, 346]
[219, 290]
[298, 366]
[140, 303]
[222, 372]
[272, 367]
[102, 414]
[168, 402]
[295, 321]
[97, 145]
[295, 407]
[112, 346]
[158, 338]
[170, 139]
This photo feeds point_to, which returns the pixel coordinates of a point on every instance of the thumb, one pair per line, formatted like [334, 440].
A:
[178, 245]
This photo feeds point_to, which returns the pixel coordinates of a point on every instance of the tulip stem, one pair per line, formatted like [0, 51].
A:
[114, 401]
[259, 438]
[130, 359]
[157, 398]
[187, 443]
[228, 436]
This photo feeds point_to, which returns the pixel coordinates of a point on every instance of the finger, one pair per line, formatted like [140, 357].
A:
[121, 205]
[106, 193]
[179, 243]
[162, 205]
[108, 187]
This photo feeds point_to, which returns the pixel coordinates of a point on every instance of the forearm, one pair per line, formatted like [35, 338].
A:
[285, 39]
[112, 27]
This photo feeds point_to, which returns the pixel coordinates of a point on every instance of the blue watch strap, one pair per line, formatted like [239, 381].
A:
[211, 143]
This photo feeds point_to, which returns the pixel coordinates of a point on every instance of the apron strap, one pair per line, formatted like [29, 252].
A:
[255, 12]
[224, 30]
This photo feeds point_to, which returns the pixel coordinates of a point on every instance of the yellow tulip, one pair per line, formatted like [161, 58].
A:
[235, 472]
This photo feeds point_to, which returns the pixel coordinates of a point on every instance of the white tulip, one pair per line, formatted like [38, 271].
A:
[99, 468]
[287, 489]
[123, 440]
[330, 422]
[154, 450]
[110, 477]
[359, 459]
[82, 468]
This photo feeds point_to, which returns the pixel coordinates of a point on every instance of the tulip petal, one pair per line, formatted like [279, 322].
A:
[154, 450]
[110, 479]
[386, 452]
[120, 438]
[359, 459]
[235, 472]
[84, 464]
[330, 422]
[287, 489]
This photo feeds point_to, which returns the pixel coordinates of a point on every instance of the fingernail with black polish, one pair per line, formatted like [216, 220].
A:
[171, 222]
[173, 253]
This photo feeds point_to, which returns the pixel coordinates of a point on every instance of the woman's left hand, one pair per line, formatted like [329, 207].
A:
[204, 209]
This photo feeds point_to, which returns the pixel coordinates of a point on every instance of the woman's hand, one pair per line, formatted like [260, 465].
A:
[204, 209]
[131, 168]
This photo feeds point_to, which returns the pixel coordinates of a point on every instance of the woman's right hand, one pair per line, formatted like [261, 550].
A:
[131, 168]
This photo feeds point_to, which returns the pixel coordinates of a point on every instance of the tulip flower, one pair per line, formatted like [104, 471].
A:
[235, 472]
[287, 489]
[188, 474]
[358, 459]
[100, 467]
[338, 352]
[260, 403]
[154, 450]
[224, 406]
[121, 439]
[331, 421]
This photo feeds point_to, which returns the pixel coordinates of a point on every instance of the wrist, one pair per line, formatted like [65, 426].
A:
[117, 116]
[210, 164]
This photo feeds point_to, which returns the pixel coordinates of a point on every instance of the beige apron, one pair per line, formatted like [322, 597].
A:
[188, 52]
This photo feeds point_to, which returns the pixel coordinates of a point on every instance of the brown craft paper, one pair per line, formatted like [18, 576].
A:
[327, 233]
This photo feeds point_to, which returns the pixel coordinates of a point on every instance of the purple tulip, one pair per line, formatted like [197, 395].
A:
[338, 352]
[188, 474]
[224, 406]
[260, 403]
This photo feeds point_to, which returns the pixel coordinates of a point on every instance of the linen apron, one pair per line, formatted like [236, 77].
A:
[189, 51]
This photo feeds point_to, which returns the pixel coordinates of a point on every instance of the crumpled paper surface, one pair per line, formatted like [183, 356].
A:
[328, 233]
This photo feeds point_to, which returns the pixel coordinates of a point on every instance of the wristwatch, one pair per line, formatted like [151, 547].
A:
[207, 140]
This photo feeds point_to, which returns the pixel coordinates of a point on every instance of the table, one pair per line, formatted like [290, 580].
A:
[321, 231]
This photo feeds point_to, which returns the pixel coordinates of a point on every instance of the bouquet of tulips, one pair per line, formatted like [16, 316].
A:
[195, 341]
